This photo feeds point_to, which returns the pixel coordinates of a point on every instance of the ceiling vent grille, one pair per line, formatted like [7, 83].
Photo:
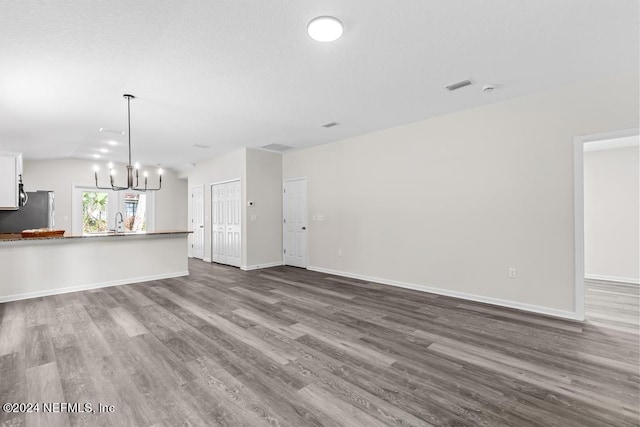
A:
[119, 132]
[459, 85]
[277, 147]
[330, 125]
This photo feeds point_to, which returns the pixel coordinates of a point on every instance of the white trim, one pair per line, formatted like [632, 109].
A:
[225, 182]
[578, 207]
[205, 259]
[293, 179]
[632, 280]
[10, 153]
[58, 291]
[462, 295]
[578, 226]
[259, 266]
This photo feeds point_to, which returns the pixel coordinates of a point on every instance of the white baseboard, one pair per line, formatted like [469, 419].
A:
[259, 266]
[462, 295]
[205, 259]
[87, 287]
[631, 280]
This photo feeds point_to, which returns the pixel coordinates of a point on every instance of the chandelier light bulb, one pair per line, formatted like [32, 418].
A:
[160, 171]
[110, 165]
[145, 174]
[96, 168]
[325, 28]
[137, 165]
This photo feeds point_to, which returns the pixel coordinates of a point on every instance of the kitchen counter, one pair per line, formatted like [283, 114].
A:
[15, 237]
[37, 266]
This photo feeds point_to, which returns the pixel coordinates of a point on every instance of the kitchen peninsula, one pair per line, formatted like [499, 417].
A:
[34, 267]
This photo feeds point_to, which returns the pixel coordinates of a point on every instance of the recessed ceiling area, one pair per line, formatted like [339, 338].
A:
[231, 74]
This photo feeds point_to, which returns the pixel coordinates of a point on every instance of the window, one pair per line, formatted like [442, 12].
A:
[94, 211]
[135, 207]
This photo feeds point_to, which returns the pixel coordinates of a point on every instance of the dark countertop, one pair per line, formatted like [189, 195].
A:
[16, 237]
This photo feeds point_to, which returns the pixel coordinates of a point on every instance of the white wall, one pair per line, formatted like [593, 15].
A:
[452, 202]
[219, 169]
[612, 214]
[33, 268]
[264, 218]
[61, 174]
[261, 175]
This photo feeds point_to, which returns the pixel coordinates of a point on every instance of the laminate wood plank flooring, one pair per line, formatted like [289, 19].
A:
[290, 347]
[613, 305]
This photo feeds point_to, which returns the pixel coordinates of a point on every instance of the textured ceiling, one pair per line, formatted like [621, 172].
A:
[232, 73]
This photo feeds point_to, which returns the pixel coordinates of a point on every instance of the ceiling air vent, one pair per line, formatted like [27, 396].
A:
[459, 85]
[330, 125]
[119, 132]
[277, 147]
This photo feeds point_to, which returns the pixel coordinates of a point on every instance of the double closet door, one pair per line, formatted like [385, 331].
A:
[226, 223]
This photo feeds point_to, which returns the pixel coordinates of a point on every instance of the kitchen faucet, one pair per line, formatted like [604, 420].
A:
[119, 225]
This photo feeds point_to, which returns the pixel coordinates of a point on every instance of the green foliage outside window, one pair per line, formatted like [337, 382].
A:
[94, 212]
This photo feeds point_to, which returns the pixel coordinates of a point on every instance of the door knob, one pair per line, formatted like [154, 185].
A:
[304, 228]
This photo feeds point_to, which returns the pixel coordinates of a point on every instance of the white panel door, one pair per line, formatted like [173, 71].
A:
[233, 223]
[217, 224]
[226, 223]
[197, 221]
[295, 222]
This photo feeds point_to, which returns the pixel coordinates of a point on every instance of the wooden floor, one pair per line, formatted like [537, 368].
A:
[613, 305]
[290, 347]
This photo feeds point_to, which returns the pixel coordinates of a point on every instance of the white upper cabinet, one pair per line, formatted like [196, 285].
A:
[10, 168]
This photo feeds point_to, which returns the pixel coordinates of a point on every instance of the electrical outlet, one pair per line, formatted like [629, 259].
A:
[513, 273]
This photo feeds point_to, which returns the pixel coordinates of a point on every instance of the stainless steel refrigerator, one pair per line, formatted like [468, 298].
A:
[37, 213]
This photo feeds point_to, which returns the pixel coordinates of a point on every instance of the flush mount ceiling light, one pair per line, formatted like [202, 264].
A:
[130, 168]
[325, 28]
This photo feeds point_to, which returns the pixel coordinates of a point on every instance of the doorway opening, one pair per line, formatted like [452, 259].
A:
[607, 228]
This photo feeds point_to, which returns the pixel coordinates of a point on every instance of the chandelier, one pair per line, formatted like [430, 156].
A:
[130, 168]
